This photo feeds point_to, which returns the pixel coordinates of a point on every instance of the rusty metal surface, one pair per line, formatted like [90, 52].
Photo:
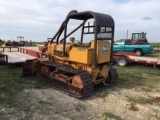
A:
[54, 79]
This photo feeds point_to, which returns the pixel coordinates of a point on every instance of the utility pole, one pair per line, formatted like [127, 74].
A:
[127, 34]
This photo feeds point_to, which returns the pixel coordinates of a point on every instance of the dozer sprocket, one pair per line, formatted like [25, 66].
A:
[52, 74]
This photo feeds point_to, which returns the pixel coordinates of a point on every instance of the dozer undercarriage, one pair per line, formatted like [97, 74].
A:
[76, 67]
[77, 83]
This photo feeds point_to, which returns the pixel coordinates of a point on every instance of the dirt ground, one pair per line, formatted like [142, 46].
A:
[117, 103]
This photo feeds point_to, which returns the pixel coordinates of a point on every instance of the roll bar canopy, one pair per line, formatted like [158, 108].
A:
[103, 28]
[101, 19]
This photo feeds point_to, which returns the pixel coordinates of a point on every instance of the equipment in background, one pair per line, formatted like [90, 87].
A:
[138, 38]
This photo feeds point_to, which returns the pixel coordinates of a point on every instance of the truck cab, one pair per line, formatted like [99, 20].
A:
[126, 46]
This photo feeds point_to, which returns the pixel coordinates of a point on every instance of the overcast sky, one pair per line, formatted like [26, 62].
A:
[38, 20]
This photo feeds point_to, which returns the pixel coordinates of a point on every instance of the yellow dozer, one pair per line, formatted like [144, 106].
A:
[76, 66]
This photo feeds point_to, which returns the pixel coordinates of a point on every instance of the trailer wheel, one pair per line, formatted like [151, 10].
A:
[122, 61]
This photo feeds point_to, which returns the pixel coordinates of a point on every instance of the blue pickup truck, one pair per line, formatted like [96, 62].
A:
[125, 46]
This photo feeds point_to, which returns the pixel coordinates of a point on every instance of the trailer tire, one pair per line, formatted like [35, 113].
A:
[122, 61]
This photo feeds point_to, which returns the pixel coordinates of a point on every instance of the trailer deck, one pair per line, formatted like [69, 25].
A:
[17, 57]
[11, 54]
[145, 60]
[125, 58]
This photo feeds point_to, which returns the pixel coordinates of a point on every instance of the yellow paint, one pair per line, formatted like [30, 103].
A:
[104, 71]
[103, 51]
[52, 48]
[95, 73]
[81, 55]
[49, 48]
[102, 55]
[57, 47]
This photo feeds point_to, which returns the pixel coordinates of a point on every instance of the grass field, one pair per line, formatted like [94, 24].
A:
[156, 54]
[12, 84]
[139, 75]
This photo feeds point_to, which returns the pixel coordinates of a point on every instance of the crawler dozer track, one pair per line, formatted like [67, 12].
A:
[76, 83]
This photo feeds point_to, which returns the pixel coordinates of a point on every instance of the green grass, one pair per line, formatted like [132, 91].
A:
[11, 84]
[11, 87]
[155, 44]
[110, 116]
[156, 54]
[139, 75]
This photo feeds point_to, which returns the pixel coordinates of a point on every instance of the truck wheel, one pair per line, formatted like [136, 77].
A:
[122, 61]
[139, 52]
